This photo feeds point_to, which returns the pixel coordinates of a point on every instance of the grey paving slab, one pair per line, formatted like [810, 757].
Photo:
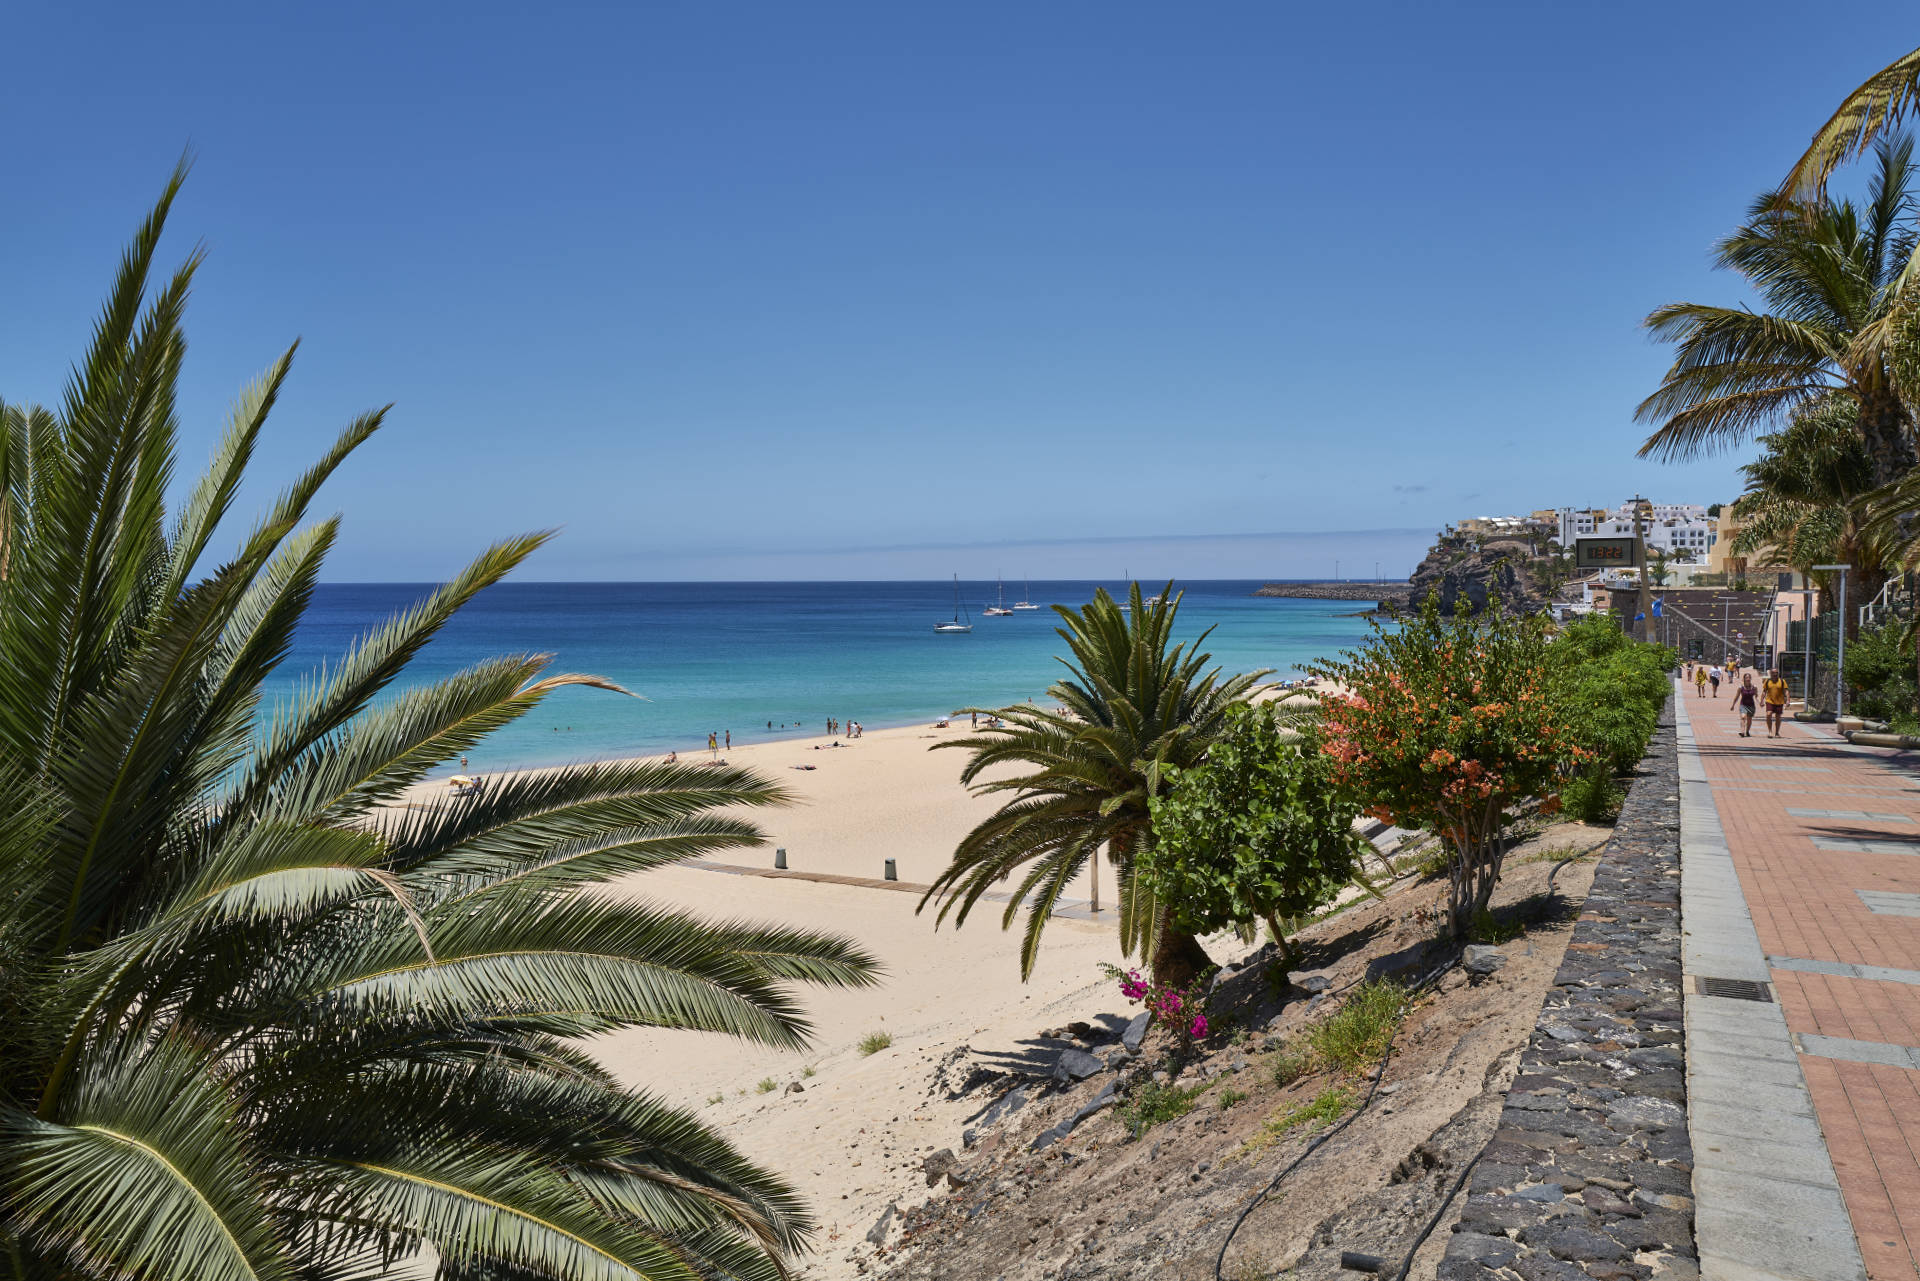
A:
[1885, 1053]
[1858, 816]
[1845, 969]
[1847, 845]
[1753, 1227]
[1796, 1129]
[1730, 1064]
[1740, 1018]
[1767, 1204]
[1889, 903]
[1739, 1049]
[1748, 1089]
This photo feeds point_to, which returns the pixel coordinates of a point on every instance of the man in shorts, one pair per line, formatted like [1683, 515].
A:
[1713, 676]
[1773, 692]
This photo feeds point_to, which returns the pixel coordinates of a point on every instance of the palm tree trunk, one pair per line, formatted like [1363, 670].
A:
[1889, 434]
[1178, 957]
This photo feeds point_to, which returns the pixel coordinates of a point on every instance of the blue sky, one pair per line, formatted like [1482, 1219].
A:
[833, 290]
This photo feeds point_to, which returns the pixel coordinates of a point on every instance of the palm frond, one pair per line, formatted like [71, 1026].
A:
[1862, 118]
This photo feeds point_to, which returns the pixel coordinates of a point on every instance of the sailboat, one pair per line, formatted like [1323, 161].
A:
[1000, 610]
[1023, 602]
[956, 625]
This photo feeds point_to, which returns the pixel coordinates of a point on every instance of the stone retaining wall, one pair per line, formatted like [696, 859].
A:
[1590, 1174]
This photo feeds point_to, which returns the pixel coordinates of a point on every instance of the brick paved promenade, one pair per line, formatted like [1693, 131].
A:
[1824, 838]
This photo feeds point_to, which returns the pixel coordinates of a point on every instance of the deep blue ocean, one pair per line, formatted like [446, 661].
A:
[736, 656]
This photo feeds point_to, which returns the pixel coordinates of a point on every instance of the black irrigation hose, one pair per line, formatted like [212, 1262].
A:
[1577, 854]
[1406, 1264]
[1321, 1140]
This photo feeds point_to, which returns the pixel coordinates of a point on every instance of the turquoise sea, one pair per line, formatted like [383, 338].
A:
[738, 656]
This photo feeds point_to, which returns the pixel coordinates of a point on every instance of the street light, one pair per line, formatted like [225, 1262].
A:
[1840, 652]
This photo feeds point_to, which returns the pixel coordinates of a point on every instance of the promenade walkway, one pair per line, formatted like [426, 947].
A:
[1801, 874]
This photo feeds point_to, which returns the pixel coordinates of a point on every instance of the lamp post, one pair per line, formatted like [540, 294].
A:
[1640, 559]
[1840, 650]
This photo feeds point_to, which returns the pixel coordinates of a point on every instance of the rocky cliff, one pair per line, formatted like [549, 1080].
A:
[1463, 573]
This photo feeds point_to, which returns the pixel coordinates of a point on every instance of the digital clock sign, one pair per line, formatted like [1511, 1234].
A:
[1603, 553]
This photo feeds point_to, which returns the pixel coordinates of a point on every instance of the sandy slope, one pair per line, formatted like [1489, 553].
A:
[860, 1125]
[883, 795]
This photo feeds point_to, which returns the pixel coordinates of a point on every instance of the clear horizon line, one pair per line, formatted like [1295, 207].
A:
[1074, 541]
[1146, 581]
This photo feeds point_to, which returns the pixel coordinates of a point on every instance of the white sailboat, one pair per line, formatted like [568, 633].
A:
[999, 610]
[956, 625]
[1023, 602]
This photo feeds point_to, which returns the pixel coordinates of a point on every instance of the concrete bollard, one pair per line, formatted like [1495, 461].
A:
[893, 873]
[780, 859]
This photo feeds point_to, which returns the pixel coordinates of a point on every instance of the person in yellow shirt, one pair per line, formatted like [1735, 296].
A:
[1773, 692]
[1700, 681]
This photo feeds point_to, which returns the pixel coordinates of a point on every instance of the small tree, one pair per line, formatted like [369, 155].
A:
[1449, 724]
[1256, 832]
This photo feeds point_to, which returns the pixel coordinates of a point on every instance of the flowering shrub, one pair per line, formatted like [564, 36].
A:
[1256, 832]
[1181, 1008]
[1449, 724]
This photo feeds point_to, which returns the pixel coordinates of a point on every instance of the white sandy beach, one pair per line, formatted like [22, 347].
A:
[853, 1137]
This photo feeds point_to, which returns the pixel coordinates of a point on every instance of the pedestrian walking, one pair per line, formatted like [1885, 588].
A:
[1774, 693]
[729, 740]
[713, 746]
[1746, 700]
[1713, 678]
[1699, 682]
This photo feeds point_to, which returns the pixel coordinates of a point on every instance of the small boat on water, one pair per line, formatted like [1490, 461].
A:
[956, 625]
[1024, 603]
[999, 610]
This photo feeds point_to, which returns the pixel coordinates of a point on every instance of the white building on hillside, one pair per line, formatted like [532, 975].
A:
[1678, 529]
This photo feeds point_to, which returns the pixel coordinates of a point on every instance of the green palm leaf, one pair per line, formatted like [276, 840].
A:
[259, 1019]
[1136, 704]
[144, 1169]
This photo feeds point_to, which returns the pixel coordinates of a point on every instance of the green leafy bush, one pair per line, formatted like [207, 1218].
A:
[1322, 1110]
[1355, 1039]
[1289, 1064]
[1591, 796]
[1610, 688]
[1152, 1103]
[1880, 674]
[1256, 832]
[874, 1042]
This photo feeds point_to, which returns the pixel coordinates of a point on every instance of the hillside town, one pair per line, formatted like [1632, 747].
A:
[1715, 591]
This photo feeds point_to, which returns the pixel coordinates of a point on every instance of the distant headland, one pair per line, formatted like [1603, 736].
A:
[1394, 593]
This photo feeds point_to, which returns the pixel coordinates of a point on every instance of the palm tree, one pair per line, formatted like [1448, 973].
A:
[1863, 118]
[258, 1021]
[1831, 277]
[1135, 704]
[1808, 499]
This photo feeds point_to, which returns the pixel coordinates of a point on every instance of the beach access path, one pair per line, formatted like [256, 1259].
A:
[1801, 884]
